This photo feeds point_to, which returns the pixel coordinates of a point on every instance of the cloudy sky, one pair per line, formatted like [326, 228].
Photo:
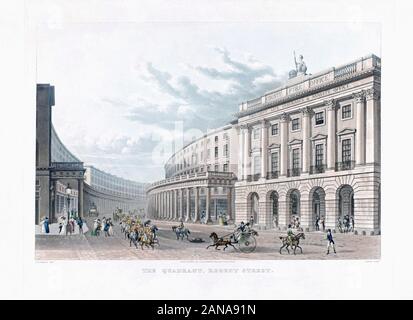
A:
[125, 91]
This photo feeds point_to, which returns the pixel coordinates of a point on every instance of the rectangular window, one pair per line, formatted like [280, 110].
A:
[319, 118]
[274, 162]
[295, 123]
[216, 139]
[319, 155]
[257, 165]
[256, 133]
[296, 158]
[274, 129]
[225, 167]
[216, 152]
[225, 150]
[216, 168]
[346, 111]
[346, 150]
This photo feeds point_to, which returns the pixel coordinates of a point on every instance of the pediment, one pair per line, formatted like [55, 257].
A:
[319, 136]
[274, 146]
[253, 150]
[295, 141]
[346, 131]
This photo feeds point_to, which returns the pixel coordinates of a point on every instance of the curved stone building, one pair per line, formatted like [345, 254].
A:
[199, 184]
[64, 184]
[309, 150]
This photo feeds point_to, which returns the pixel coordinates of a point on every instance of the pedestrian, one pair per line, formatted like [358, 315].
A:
[252, 221]
[110, 231]
[46, 225]
[323, 224]
[80, 224]
[330, 241]
[60, 227]
[106, 228]
[317, 226]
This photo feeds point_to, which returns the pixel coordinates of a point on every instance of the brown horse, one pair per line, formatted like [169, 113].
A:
[294, 242]
[219, 242]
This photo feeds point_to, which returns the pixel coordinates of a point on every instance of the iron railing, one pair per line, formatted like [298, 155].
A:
[321, 168]
[294, 172]
[345, 165]
[273, 175]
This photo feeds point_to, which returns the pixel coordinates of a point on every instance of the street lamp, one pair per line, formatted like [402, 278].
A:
[68, 193]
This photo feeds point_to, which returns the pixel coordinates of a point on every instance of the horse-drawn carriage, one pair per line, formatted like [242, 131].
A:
[243, 240]
[93, 211]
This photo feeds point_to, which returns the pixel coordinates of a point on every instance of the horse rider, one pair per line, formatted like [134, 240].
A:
[290, 233]
[181, 225]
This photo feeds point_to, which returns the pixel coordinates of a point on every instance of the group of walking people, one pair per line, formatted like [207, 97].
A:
[105, 225]
[345, 224]
[68, 226]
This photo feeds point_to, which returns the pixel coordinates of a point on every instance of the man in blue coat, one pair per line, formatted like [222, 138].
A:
[330, 242]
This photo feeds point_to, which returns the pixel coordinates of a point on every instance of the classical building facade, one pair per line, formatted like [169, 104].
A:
[307, 150]
[312, 149]
[199, 184]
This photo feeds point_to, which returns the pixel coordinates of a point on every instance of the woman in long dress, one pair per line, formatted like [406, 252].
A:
[110, 227]
[43, 226]
[64, 226]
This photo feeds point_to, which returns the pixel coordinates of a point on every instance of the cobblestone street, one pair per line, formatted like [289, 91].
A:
[87, 247]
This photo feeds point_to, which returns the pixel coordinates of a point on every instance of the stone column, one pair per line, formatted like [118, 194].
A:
[247, 149]
[373, 126]
[171, 204]
[284, 144]
[331, 214]
[188, 204]
[241, 154]
[264, 146]
[229, 203]
[157, 205]
[176, 205]
[207, 204]
[181, 206]
[306, 139]
[80, 197]
[163, 205]
[195, 219]
[360, 128]
[283, 213]
[331, 134]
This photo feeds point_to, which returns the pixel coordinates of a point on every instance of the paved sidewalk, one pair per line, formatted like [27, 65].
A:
[54, 229]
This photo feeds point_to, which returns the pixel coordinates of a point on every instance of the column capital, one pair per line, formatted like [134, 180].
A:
[331, 104]
[372, 93]
[264, 123]
[285, 117]
[359, 96]
[306, 111]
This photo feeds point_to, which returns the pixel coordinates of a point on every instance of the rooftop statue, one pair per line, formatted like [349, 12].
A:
[300, 67]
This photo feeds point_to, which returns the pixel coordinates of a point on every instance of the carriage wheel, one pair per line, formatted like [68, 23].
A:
[247, 244]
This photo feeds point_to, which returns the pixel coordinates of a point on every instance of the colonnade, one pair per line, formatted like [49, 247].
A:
[175, 204]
